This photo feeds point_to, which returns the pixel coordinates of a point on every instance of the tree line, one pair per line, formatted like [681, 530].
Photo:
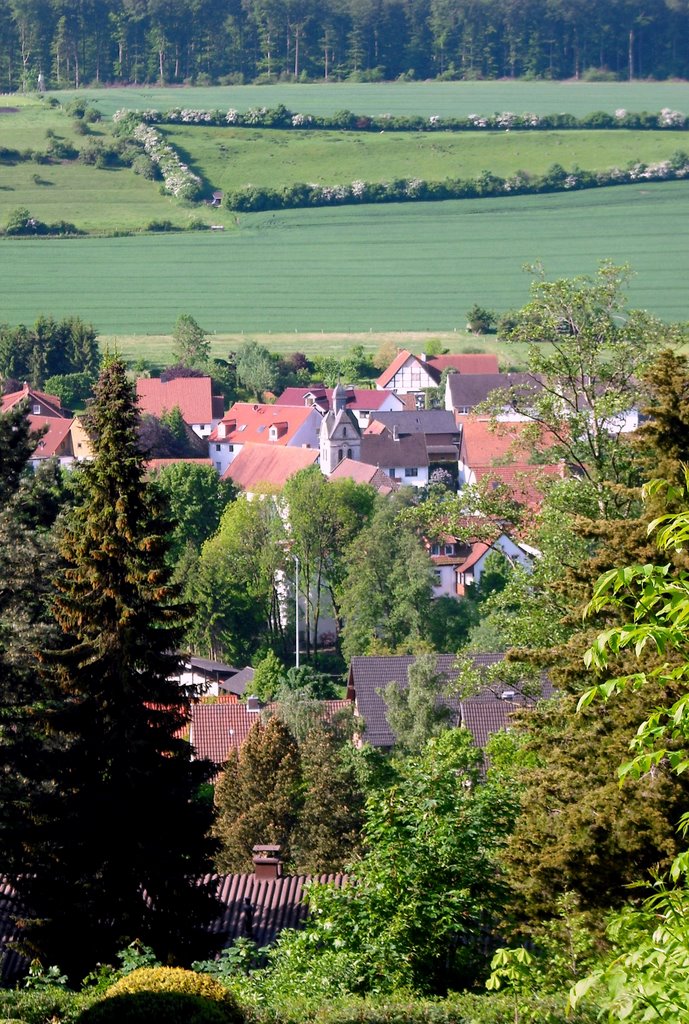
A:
[171, 42]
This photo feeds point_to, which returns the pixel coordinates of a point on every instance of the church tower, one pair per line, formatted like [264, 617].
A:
[340, 436]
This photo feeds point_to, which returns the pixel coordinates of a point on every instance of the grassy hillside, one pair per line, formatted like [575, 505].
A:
[422, 98]
[232, 157]
[388, 268]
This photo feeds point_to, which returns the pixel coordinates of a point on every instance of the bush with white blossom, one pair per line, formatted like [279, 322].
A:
[178, 180]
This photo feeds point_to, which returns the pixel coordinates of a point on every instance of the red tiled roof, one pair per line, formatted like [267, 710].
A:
[268, 464]
[246, 422]
[524, 481]
[57, 429]
[484, 441]
[364, 473]
[220, 727]
[51, 403]
[192, 395]
[396, 364]
[357, 398]
[465, 362]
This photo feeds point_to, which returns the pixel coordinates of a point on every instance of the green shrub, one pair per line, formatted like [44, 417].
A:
[47, 1005]
[156, 1008]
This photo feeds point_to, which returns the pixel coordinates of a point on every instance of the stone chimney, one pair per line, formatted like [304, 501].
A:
[267, 863]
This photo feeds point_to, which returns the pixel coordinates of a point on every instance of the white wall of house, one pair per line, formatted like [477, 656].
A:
[222, 453]
[409, 476]
[412, 376]
[509, 548]
[445, 585]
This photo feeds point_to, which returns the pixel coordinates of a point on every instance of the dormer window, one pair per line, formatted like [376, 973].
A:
[273, 433]
[36, 410]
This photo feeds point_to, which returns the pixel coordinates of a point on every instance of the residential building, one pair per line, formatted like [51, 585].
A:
[463, 392]
[408, 373]
[246, 423]
[483, 714]
[364, 473]
[193, 396]
[402, 457]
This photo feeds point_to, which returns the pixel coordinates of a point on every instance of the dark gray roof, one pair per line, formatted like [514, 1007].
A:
[469, 390]
[207, 666]
[483, 714]
[387, 452]
[422, 421]
[238, 683]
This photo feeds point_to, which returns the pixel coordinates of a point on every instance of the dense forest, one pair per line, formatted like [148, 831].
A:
[75, 42]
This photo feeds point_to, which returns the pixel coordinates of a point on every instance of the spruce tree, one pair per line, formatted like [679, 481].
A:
[118, 842]
[257, 796]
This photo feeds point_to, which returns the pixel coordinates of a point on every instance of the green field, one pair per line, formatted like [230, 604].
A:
[229, 158]
[447, 99]
[412, 267]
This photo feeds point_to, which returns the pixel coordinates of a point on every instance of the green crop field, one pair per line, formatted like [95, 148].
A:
[421, 98]
[412, 267]
[228, 158]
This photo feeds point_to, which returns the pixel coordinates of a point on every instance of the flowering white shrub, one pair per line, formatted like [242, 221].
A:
[178, 180]
[232, 116]
[671, 118]
[571, 181]
[506, 119]
[434, 120]
[413, 187]
[620, 113]
[358, 189]
[255, 115]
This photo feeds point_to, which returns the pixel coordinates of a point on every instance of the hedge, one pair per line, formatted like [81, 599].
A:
[253, 198]
[344, 120]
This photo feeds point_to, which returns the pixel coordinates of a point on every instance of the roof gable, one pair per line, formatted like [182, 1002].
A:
[247, 422]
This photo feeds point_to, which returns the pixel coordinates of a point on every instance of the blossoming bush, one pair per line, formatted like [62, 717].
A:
[556, 179]
[178, 180]
[345, 120]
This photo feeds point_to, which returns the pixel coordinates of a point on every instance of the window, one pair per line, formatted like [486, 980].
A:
[36, 410]
[339, 455]
[391, 473]
[449, 549]
[413, 471]
[218, 447]
[344, 431]
[438, 579]
[349, 453]
[217, 466]
[230, 447]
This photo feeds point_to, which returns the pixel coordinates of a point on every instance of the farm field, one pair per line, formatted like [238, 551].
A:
[113, 199]
[230, 158]
[420, 98]
[413, 267]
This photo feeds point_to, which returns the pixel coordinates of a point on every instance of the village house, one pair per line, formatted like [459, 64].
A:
[464, 392]
[438, 428]
[459, 564]
[62, 435]
[410, 374]
[246, 423]
[200, 409]
[264, 468]
[484, 713]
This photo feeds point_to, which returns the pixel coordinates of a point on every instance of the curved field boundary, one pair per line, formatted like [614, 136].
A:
[413, 267]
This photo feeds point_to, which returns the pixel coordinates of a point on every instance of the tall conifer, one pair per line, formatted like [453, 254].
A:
[119, 837]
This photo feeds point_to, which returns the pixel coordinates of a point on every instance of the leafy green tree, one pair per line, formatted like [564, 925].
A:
[323, 519]
[256, 798]
[428, 882]
[196, 498]
[587, 353]
[385, 594]
[415, 712]
[256, 369]
[237, 604]
[71, 388]
[121, 785]
[191, 344]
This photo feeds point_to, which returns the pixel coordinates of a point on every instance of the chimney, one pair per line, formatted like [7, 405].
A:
[423, 357]
[267, 863]
[395, 436]
[253, 704]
